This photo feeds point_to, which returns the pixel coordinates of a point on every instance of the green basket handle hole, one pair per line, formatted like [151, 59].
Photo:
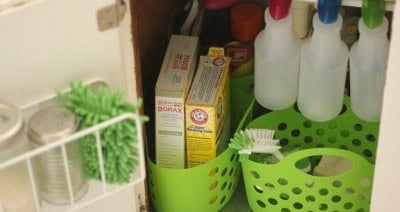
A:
[332, 165]
[354, 162]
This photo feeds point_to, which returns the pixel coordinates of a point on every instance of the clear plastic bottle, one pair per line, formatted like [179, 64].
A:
[368, 61]
[323, 65]
[277, 58]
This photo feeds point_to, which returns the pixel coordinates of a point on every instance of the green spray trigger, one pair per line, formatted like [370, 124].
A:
[373, 12]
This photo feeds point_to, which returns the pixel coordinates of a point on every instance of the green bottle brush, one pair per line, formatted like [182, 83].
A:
[118, 141]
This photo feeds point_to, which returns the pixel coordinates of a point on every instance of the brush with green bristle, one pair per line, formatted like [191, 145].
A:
[120, 154]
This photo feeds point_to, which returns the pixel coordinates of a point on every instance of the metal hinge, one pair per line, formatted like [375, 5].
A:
[109, 17]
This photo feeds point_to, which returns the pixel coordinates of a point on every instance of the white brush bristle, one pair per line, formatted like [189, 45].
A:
[260, 134]
[266, 146]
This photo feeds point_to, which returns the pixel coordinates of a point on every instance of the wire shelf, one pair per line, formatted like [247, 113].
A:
[97, 190]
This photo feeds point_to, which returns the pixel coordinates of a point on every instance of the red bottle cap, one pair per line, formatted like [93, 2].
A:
[218, 4]
[279, 9]
[246, 21]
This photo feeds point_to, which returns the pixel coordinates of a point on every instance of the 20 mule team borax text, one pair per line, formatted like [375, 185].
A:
[172, 88]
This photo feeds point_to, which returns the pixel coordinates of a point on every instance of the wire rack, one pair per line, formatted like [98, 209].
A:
[98, 190]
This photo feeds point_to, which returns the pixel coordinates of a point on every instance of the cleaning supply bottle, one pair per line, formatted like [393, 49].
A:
[246, 22]
[368, 61]
[323, 65]
[277, 58]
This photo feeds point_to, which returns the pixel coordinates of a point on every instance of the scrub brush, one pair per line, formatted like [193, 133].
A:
[259, 145]
[118, 141]
[255, 141]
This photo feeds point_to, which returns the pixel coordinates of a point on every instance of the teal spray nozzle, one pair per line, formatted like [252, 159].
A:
[373, 12]
[328, 10]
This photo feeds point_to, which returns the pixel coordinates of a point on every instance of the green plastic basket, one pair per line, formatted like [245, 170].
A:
[282, 187]
[207, 187]
[210, 186]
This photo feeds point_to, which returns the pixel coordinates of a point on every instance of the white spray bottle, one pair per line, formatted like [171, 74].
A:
[323, 65]
[368, 61]
[277, 58]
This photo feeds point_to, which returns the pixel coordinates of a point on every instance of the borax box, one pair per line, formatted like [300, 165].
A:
[207, 109]
[172, 88]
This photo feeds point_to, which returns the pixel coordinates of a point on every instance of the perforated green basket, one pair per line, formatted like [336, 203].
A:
[207, 187]
[210, 186]
[282, 187]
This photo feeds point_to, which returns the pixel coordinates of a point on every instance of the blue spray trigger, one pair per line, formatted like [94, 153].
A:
[328, 10]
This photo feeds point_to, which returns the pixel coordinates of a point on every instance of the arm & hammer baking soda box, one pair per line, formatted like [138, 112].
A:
[207, 109]
[171, 90]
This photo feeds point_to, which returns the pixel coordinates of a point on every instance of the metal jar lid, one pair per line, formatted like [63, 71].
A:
[11, 123]
[51, 124]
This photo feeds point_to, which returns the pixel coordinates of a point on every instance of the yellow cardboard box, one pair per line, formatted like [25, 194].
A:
[207, 109]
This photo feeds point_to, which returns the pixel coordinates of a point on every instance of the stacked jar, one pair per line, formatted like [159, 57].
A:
[15, 188]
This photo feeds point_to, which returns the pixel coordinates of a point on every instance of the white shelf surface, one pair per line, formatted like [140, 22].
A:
[357, 3]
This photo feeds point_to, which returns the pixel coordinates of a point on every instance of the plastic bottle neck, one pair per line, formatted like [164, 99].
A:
[278, 40]
[373, 37]
[373, 45]
[326, 34]
[278, 28]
